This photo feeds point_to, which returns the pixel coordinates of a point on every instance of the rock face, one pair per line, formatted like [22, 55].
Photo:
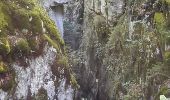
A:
[33, 64]
[117, 49]
[73, 23]
[89, 23]
[121, 54]
[55, 9]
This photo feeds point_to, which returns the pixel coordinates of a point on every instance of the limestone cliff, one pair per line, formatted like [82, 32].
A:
[84, 49]
[124, 50]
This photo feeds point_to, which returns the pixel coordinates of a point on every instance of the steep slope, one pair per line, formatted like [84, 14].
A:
[124, 51]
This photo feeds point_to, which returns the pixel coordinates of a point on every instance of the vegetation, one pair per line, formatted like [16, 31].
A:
[22, 46]
[4, 46]
[3, 67]
[23, 27]
[26, 19]
[136, 54]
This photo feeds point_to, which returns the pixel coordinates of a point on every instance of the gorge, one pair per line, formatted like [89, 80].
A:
[84, 49]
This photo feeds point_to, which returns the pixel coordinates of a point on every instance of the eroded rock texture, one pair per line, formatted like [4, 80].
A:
[123, 53]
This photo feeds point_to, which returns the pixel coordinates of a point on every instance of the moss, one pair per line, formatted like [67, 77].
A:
[9, 81]
[163, 91]
[73, 81]
[167, 59]
[52, 42]
[167, 55]
[36, 23]
[63, 61]
[34, 44]
[100, 27]
[168, 1]
[3, 67]
[25, 3]
[159, 18]
[28, 15]
[4, 46]
[3, 22]
[52, 30]
[23, 46]
[21, 19]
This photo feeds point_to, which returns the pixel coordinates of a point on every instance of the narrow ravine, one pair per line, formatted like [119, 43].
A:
[84, 49]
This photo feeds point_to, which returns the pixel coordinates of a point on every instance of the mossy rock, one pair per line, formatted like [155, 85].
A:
[73, 81]
[8, 82]
[101, 27]
[100, 23]
[8, 86]
[63, 61]
[159, 18]
[138, 31]
[4, 46]
[52, 42]
[3, 22]
[168, 1]
[22, 46]
[52, 31]
[3, 67]
[168, 40]
[167, 57]
[25, 3]
[34, 43]
[20, 15]
[163, 91]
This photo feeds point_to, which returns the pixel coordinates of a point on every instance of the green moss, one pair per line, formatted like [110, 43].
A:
[52, 30]
[73, 81]
[3, 22]
[159, 18]
[36, 23]
[25, 3]
[4, 70]
[63, 61]
[163, 91]
[168, 1]
[167, 59]
[168, 40]
[167, 55]
[34, 44]
[27, 14]
[52, 42]
[4, 46]
[3, 67]
[23, 46]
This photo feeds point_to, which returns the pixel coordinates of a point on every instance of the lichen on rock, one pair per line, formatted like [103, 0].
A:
[23, 26]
